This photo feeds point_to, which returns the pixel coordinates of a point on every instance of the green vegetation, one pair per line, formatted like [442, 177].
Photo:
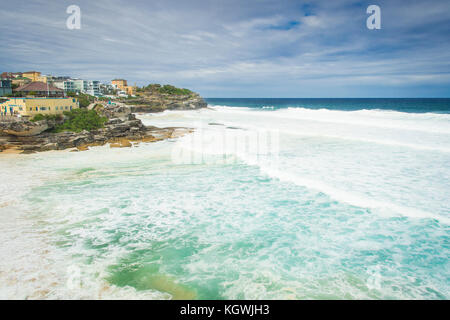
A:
[103, 98]
[174, 90]
[55, 117]
[84, 99]
[166, 89]
[78, 120]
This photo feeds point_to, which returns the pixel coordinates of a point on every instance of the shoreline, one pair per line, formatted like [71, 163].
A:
[121, 130]
[125, 142]
[120, 142]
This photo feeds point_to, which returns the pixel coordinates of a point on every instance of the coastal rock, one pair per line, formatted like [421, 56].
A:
[83, 148]
[160, 102]
[23, 128]
[120, 131]
[121, 143]
[114, 121]
[48, 147]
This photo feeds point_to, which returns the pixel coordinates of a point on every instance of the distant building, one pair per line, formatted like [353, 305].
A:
[75, 85]
[10, 75]
[53, 79]
[32, 106]
[35, 76]
[91, 87]
[58, 84]
[122, 93]
[40, 89]
[119, 83]
[122, 84]
[20, 81]
[107, 89]
[5, 87]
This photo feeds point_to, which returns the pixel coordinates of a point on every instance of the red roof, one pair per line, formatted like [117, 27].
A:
[6, 75]
[38, 86]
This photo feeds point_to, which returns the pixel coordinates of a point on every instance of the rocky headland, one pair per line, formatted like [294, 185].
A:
[157, 98]
[121, 129]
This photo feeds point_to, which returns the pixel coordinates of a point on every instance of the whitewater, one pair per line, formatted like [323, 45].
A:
[257, 203]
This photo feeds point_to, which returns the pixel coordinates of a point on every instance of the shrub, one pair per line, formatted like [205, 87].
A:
[83, 99]
[174, 90]
[78, 120]
[167, 89]
[39, 117]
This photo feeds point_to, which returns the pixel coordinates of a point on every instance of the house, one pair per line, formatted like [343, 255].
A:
[91, 87]
[40, 89]
[119, 83]
[34, 76]
[20, 81]
[122, 93]
[5, 87]
[29, 107]
[10, 75]
[122, 84]
[70, 85]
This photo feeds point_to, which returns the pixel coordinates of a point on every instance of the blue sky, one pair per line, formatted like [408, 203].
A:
[228, 48]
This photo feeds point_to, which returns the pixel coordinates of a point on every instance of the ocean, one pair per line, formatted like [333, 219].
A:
[267, 199]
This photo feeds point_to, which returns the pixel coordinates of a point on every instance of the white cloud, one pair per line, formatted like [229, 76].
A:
[208, 45]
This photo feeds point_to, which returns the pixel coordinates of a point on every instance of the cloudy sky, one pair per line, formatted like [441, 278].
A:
[244, 48]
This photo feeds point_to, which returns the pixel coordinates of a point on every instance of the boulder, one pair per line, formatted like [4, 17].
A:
[23, 128]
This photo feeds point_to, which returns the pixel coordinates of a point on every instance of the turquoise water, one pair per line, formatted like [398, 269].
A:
[347, 205]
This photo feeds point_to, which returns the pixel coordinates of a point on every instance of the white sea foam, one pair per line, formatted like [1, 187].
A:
[309, 227]
[354, 199]
[406, 135]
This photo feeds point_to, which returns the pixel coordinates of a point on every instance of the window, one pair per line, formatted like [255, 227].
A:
[43, 108]
[37, 108]
[31, 109]
[66, 108]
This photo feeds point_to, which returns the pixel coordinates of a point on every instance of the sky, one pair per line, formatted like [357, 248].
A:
[243, 48]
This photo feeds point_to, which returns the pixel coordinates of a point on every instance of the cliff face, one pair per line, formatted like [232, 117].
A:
[151, 101]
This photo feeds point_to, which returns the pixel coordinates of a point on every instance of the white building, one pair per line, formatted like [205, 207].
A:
[122, 93]
[91, 87]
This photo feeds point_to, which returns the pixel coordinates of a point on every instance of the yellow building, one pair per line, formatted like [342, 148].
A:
[34, 76]
[119, 83]
[122, 84]
[29, 107]
[20, 81]
[42, 79]
[129, 90]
